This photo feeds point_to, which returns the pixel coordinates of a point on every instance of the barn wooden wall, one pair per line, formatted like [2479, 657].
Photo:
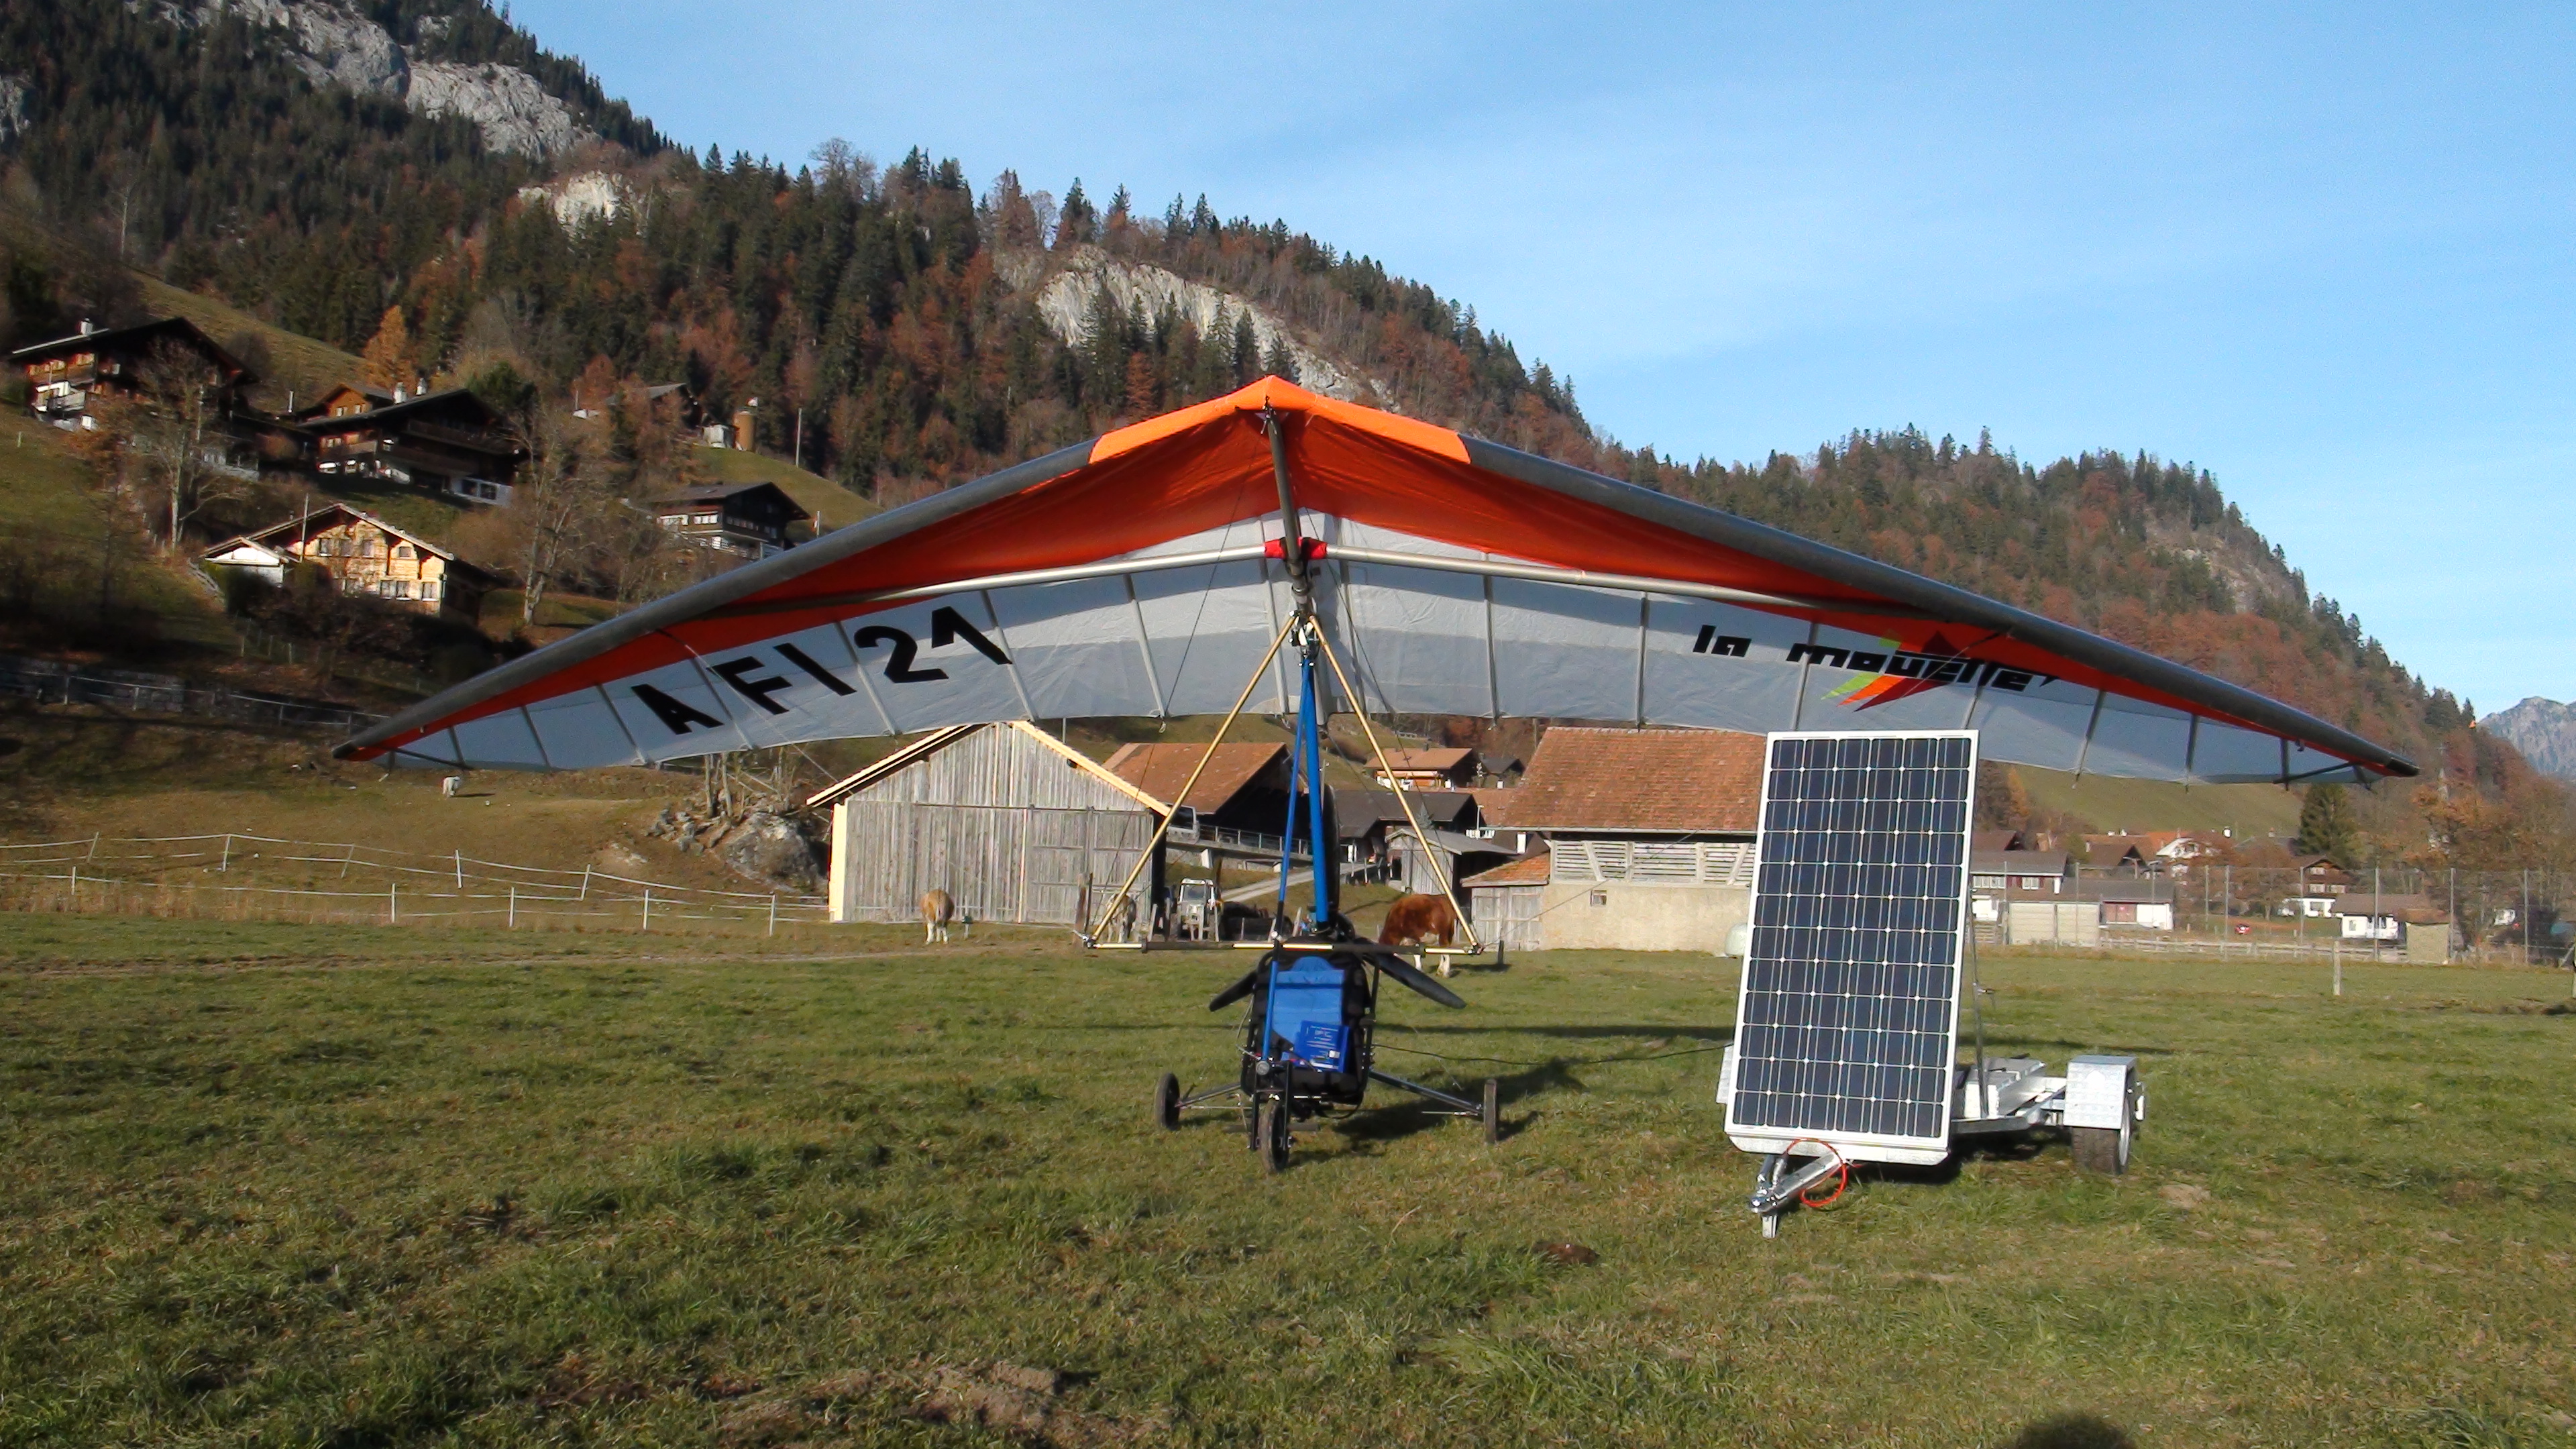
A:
[1009, 828]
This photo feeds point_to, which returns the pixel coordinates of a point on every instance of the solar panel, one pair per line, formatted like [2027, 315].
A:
[1847, 1018]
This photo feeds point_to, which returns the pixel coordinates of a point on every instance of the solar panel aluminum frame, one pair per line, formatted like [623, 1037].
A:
[1862, 1146]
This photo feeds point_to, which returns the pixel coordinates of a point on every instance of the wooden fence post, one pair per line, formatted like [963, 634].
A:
[393, 903]
[648, 908]
[514, 908]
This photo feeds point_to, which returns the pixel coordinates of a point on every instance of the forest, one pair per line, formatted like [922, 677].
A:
[887, 316]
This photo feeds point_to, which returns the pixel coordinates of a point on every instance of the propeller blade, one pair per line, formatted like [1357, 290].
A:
[1237, 991]
[1421, 985]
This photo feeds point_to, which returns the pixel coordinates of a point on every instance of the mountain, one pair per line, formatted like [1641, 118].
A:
[421, 183]
[2544, 730]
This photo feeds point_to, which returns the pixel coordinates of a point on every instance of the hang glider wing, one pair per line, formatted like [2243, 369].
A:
[1141, 573]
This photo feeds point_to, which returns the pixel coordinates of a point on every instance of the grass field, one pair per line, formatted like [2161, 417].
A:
[288, 1185]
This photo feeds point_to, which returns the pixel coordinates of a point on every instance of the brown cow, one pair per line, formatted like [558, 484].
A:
[937, 910]
[1416, 919]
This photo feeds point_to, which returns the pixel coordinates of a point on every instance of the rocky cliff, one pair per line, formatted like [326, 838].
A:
[337, 46]
[2543, 729]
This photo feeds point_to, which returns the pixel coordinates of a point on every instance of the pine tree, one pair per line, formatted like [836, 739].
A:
[2327, 827]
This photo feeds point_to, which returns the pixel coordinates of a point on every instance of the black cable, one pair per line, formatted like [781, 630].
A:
[1554, 1061]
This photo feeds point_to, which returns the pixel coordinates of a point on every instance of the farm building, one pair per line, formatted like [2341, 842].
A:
[1649, 841]
[1011, 822]
[1507, 902]
[449, 442]
[365, 555]
[1363, 818]
[67, 375]
[1438, 769]
[2020, 870]
[1237, 806]
[752, 519]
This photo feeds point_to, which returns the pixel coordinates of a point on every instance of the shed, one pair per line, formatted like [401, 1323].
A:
[1649, 836]
[1013, 823]
[1507, 903]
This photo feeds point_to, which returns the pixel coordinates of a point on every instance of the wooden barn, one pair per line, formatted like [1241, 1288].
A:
[1014, 824]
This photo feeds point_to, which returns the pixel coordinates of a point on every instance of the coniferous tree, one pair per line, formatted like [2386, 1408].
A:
[2327, 827]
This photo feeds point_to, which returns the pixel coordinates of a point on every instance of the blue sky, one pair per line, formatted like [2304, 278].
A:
[2325, 254]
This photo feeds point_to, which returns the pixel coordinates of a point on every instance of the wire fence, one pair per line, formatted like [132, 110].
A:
[167, 694]
[236, 876]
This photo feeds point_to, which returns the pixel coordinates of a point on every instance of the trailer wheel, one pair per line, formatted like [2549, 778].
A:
[1493, 1114]
[2105, 1150]
[1167, 1102]
[1270, 1133]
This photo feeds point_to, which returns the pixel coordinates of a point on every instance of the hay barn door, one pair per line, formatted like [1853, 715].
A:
[1059, 843]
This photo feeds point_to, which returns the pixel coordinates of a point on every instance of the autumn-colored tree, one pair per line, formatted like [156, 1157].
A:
[387, 361]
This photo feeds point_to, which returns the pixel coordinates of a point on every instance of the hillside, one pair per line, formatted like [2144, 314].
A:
[490, 212]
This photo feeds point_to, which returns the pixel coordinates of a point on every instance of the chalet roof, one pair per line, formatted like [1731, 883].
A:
[915, 751]
[333, 515]
[721, 492]
[2019, 862]
[444, 400]
[1530, 869]
[1494, 801]
[2403, 907]
[1647, 782]
[1161, 770]
[1994, 840]
[1440, 761]
[2115, 846]
[1355, 811]
[138, 335]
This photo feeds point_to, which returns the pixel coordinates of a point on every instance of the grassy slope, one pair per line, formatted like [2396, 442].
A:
[2143, 805]
[67, 774]
[307, 366]
[364, 1185]
[835, 505]
[48, 508]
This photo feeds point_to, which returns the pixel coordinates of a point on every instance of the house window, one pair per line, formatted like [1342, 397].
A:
[705, 518]
[371, 547]
[429, 589]
[1600, 898]
[402, 588]
[404, 550]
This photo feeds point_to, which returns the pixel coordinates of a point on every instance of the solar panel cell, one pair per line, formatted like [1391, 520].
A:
[1848, 1014]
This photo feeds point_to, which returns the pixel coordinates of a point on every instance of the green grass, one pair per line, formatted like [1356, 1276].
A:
[273, 1184]
[835, 505]
[304, 366]
[2138, 806]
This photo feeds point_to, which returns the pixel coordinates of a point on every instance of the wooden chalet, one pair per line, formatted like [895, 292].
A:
[67, 376]
[449, 442]
[366, 555]
[752, 519]
[1428, 769]
[1014, 824]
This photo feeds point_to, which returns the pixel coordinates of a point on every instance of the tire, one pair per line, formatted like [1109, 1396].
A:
[1270, 1133]
[2105, 1150]
[1167, 1102]
[1493, 1115]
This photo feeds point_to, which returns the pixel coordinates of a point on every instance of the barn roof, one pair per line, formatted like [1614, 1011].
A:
[1650, 782]
[1443, 760]
[1530, 869]
[1161, 770]
[935, 741]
